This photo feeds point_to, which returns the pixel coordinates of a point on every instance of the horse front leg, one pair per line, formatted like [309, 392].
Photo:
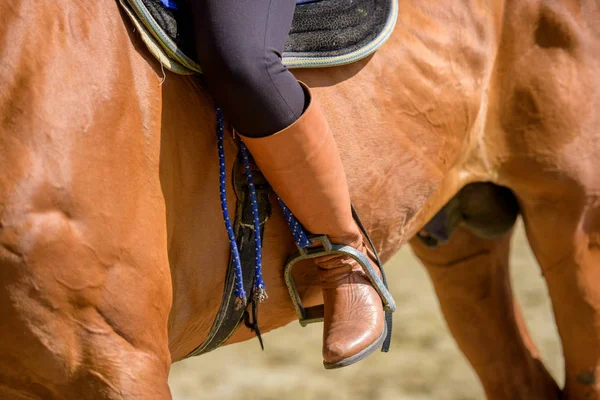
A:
[471, 280]
[565, 237]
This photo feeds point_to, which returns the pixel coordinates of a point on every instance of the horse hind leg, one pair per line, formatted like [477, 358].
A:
[471, 279]
[84, 299]
[85, 288]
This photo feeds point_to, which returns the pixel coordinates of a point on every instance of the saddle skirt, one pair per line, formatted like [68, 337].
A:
[324, 33]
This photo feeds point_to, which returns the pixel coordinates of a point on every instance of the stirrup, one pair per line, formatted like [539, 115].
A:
[326, 248]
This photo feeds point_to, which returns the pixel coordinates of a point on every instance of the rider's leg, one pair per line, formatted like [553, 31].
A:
[239, 45]
[303, 165]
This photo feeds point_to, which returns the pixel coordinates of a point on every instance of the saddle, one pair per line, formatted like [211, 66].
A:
[324, 33]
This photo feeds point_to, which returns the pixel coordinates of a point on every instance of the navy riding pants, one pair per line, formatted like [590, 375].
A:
[239, 45]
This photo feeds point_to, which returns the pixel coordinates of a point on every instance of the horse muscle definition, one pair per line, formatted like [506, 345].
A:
[112, 253]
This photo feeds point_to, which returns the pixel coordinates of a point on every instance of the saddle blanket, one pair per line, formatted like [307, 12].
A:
[324, 33]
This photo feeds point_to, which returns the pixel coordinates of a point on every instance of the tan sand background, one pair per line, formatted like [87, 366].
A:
[424, 362]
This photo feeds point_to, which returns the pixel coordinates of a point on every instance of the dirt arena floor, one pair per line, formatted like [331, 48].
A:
[424, 363]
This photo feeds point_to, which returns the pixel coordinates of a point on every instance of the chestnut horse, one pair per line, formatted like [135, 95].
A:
[112, 249]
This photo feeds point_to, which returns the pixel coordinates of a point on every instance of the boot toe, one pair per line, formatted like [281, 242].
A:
[344, 345]
[344, 350]
[354, 325]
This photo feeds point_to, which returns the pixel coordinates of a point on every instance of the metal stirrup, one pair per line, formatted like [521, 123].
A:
[326, 248]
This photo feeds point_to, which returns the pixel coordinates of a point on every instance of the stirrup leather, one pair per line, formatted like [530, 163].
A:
[315, 314]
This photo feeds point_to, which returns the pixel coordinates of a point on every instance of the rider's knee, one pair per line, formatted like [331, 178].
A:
[245, 67]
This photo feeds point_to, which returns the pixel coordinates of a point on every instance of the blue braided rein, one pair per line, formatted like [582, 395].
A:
[239, 292]
[300, 236]
[260, 293]
[298, 231]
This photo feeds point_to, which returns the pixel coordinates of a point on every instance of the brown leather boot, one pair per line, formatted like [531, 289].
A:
[303, 166]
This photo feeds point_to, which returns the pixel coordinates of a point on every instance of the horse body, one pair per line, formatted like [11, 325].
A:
[99, 153]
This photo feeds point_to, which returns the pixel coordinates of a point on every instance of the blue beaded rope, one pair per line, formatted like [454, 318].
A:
[260, 293]
[239, 292]
[298, 231]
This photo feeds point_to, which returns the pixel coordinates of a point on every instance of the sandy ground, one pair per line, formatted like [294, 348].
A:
[424, 362]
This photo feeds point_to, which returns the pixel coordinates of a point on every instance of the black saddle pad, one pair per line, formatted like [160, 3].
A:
[320, 29]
